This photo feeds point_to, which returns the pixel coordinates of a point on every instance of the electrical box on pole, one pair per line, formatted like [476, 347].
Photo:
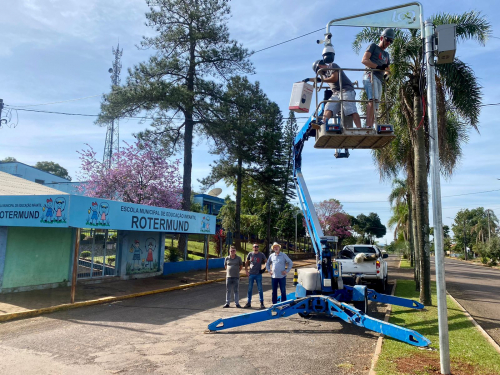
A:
[446, 44]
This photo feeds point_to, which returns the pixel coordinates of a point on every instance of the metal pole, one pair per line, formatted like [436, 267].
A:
[206, 257]
[465, 243]
[75, 265]
[296, 230]
[444, 345]
[489, 231]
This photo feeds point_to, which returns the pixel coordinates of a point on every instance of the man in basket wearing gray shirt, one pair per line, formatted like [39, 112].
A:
[233, 265]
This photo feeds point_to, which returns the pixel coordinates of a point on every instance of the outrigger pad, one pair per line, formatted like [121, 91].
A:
[352, 138]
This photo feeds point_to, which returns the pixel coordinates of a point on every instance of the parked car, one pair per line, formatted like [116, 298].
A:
[364, 264]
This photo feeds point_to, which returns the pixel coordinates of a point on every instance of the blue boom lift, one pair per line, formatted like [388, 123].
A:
[320, 290]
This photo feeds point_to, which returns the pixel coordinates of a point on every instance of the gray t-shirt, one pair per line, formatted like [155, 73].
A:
[233, 266]
[379, 57]
[256, 262]
[346, 82]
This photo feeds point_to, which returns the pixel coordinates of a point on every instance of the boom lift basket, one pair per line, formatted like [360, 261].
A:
[340, 132]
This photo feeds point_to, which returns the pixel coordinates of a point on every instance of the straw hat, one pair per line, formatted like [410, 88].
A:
[276, 244]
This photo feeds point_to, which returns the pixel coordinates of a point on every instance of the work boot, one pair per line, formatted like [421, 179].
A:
[226, 305]
[238, 306]
[248, 305]
[262, 305]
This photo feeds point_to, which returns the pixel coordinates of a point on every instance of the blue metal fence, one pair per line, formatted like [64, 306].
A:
[191, 265]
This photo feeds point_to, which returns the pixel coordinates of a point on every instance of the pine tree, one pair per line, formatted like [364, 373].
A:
[192, 50]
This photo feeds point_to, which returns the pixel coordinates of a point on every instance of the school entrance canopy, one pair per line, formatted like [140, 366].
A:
[73, 211]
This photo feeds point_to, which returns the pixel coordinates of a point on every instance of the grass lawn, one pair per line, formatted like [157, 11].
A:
[197, 247]
[470, 353]
[405, 263]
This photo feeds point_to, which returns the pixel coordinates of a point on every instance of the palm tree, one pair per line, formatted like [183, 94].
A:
[458, 105]
[400, 200]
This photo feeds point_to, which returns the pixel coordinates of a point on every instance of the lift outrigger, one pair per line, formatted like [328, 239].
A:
[320, 290]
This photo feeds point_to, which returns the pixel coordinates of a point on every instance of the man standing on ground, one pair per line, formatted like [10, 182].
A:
[376, 57]
[233, 265]
[278, 265]
[255, 259]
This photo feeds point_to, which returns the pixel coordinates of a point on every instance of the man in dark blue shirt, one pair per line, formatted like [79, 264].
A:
[376, 57]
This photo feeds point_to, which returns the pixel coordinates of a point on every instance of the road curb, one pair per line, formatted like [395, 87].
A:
[378, 347]
[67, 306]
[478, 327]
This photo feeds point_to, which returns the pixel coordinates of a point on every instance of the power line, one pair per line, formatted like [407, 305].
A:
[286, 41]
[444, 196]
[62, 101]
[91, 115]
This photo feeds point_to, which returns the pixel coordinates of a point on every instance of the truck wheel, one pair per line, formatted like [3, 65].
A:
[362, 305]
[382, 285]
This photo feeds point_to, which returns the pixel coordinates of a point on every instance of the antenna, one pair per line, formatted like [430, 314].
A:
[215, 192]
[112, 143]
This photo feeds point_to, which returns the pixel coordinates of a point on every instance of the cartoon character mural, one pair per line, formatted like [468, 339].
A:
[144, 251]
[49, 212]
[205, 224]
[104, 211]
[136, 258]
[59, 207]
[93, 211]
[150, 248]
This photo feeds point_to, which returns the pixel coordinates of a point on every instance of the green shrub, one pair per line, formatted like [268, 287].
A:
[111, 260]
[85, 254]
[173, 255]
[99, 237]
[484, 259]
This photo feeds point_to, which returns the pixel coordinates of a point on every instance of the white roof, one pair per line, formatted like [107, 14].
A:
[12, 185]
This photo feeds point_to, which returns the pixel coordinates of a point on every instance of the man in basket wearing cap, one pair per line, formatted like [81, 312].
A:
[278, 265]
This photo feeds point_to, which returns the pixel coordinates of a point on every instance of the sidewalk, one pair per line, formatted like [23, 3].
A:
[36, 302]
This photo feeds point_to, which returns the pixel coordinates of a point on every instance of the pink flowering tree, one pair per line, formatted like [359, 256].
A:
[140, 174]
[333, 220]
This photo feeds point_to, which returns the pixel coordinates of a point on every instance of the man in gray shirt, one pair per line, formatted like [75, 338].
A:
[278, 265]
[376, 57]
[255, 260]
[233, 265]
[346, 92]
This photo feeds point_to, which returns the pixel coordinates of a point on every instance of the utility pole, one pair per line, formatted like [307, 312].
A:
[112, 143]
[1, 107]
[489, 230]
[465, 243]
[296, 213]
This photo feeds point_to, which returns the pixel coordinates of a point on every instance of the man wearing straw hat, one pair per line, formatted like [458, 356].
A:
[278, 265]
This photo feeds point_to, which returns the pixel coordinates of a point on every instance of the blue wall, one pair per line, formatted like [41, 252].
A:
[191, 265]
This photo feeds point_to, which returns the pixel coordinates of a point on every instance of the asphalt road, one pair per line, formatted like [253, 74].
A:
[164, 333]
[477, 288]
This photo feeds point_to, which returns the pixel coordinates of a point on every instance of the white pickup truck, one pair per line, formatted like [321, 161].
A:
[364, 263]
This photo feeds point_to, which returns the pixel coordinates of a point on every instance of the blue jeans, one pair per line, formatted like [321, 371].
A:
[258, 279]
[282, 283]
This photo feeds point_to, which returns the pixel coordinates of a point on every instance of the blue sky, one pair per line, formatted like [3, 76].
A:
[56, 51]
